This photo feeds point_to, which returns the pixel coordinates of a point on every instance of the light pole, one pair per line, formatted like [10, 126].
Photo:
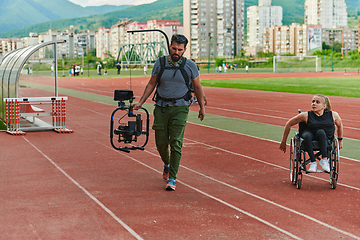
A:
[209, 53]
[332, 52]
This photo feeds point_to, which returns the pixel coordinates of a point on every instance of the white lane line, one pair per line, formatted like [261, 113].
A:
[245, 192]
[265, 139]
[255, 196]
[269, 116]
[277, 205]
[242, 211]
[210, 196]
[132, 232]
[238, 189]
[264, 162]
[258, 160]
[249, 113]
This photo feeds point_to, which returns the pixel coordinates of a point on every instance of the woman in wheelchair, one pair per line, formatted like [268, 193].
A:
[320, 126]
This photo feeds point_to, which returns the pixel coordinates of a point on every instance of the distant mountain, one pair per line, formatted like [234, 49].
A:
[159, 10]
[293, 11]
[17, 14]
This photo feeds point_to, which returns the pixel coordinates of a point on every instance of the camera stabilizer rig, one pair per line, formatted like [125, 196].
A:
[130, 131]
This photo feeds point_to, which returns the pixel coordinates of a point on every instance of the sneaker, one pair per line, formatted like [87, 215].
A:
[171, 185]
[313, 167]
[166, 172]
[324, 163]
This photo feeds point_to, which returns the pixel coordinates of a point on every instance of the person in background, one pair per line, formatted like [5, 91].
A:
[52, 70]
[118, 67]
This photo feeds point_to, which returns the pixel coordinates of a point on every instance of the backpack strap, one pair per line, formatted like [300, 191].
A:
[162, 68]
[185, 75]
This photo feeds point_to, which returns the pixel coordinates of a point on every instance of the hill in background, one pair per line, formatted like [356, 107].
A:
[159, 10]
[293, 11]
[18, 14]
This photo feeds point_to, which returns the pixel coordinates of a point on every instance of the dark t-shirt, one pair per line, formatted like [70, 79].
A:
[325, 122]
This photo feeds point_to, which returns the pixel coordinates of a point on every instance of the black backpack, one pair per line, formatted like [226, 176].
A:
[188, 95]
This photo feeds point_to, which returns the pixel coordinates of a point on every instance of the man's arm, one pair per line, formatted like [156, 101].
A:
[199, 96]
[148, 90]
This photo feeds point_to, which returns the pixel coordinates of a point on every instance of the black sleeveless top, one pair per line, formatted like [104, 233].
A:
[325, 122]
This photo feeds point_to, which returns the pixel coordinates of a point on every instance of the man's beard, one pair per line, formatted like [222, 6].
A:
[175, 57]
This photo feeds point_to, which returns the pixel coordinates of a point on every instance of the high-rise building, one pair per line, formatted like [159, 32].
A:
[327, 13]
[215, 28]
[102, 41]
[282, 40]
[259, 17]
[118, 36]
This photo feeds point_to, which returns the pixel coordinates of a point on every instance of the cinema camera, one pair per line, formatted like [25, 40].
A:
[129, 131]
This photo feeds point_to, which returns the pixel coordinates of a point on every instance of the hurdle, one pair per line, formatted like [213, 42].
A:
[22, 114]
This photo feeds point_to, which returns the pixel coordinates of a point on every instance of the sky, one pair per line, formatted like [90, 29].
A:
[86, 3]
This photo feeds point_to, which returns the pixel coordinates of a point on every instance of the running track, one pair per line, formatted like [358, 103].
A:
[75, 186]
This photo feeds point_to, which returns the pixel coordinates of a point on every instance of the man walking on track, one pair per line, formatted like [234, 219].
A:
[172, 76]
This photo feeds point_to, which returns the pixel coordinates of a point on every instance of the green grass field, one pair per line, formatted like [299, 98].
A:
[337, 86]
[2, 125]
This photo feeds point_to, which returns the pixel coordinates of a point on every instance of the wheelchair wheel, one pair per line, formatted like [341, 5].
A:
[334, 165]
[299, 180]
[293, 163]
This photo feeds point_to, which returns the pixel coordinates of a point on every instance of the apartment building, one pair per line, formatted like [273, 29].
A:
[138, 37]
[169, 27]
[76, 44]
[283, 40]
[349, 38]
[215, 28]
[7, 45]
[259, 17]
[118, 36]
[110, 40]
[102, 42]
[327, 13]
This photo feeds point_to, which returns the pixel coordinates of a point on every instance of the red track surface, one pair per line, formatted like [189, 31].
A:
[75, 186]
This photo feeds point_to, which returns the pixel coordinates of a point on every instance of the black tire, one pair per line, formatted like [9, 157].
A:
[299, 181]
[334, 165]
[293, 163]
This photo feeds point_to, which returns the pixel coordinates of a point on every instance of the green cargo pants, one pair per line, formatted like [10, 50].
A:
[169, 125]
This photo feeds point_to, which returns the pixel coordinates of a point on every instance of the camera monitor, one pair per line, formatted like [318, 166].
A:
[123, 94]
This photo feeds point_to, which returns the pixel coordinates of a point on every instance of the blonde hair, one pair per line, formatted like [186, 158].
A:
[326, 101]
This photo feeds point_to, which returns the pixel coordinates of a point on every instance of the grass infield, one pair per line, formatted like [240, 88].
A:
[2, 125]
[337, 86]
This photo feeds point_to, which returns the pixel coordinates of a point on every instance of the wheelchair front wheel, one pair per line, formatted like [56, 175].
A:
[334, 165]
[299, 180]
[293, 163]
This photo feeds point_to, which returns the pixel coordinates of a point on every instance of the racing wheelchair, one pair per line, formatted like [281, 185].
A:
[299, 158]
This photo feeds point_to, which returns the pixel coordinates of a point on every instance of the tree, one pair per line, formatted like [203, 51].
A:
[325, 46]
[219, 61]
[110, 63]
[337, 47]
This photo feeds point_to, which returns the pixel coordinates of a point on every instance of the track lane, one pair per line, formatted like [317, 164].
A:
[258, 106]
[248, 173]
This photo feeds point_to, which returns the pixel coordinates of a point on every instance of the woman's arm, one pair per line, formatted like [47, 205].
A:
[339, 125]
[302, 117]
